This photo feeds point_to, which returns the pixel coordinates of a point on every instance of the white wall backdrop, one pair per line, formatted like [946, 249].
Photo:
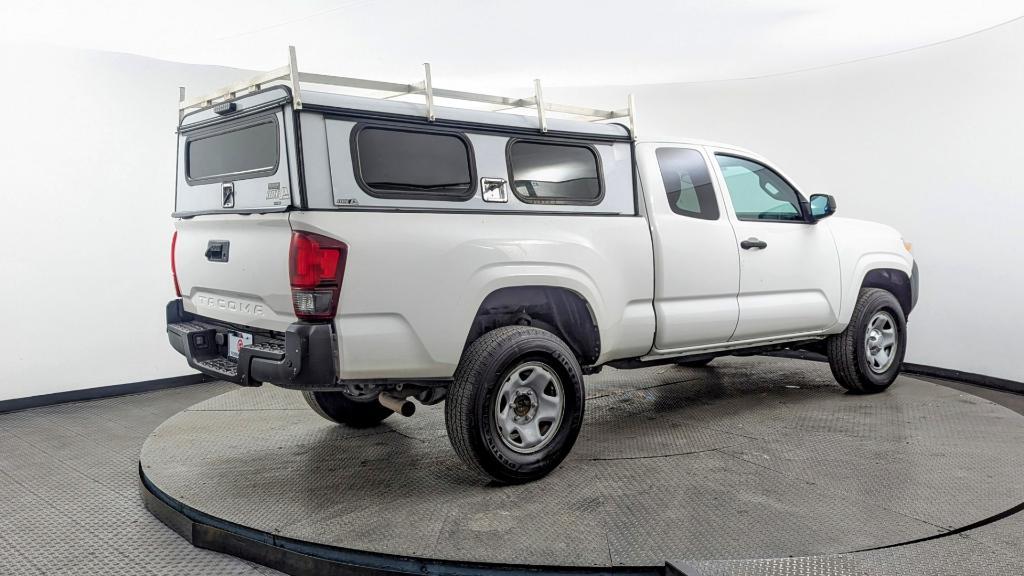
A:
[87, 157]
[928, 141]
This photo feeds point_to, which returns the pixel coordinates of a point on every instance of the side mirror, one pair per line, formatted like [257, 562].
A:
[822, 206]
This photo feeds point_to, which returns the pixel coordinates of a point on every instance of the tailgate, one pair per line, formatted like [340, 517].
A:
[234, 268]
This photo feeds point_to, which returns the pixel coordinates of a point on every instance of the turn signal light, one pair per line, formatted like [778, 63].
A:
[316, 266]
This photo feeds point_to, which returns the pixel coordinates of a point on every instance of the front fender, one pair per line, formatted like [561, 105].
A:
[865, 264]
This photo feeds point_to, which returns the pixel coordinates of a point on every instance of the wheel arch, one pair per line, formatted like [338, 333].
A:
[877, 269]
[557, 309]
[894, 281]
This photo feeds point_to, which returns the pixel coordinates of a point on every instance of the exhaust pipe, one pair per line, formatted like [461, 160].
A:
[397, 405]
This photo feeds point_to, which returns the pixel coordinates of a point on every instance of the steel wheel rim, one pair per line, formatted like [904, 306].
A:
[529, 407]
[881, 342]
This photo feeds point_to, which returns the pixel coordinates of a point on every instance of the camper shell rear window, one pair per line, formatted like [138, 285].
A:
[411, 163]
[235, 151]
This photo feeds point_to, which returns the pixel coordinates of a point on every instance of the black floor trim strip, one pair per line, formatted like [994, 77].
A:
[300, 558]
[984, 521]
[100, 392]
[965, 377]
[923, 370]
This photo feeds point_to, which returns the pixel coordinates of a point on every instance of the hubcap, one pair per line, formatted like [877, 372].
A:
[528, 408]
[880, 341]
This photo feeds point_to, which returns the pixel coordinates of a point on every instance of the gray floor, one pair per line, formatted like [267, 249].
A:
[69, 497]
[69, 500]
[751, 458]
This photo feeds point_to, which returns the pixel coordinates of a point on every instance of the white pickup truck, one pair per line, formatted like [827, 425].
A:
[371, 252]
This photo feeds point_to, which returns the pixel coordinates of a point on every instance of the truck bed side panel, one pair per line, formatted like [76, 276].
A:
[414, 281]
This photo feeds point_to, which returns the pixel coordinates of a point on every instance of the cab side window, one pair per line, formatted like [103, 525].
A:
[687, 183]
[757, 192]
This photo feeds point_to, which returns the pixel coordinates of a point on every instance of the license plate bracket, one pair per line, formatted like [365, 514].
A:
[236, 340]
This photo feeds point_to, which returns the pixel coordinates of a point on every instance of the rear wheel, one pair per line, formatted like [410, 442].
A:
[515, 407]
[343, 409]
[867, 356]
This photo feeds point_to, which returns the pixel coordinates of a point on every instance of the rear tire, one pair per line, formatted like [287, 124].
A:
[516, 404]
[867, 356]
[694, 363]
[342, 409]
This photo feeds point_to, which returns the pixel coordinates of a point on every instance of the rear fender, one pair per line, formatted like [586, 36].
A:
[498, 277]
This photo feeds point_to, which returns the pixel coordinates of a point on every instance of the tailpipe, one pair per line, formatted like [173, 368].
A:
[397, 405]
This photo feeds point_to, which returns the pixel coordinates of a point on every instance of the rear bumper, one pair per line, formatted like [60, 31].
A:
[304, 360]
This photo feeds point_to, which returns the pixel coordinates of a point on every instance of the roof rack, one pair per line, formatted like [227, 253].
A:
[292, 77]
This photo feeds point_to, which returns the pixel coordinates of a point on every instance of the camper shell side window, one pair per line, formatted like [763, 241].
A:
[544, 172]
[412, 163]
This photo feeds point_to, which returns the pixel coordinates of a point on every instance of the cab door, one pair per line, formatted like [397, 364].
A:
[696, 259]
[789, 268]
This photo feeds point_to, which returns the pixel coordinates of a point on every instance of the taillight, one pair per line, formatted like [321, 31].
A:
[174, 265]
[316, 266]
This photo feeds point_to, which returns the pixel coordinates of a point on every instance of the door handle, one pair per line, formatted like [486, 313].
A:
[753, 243]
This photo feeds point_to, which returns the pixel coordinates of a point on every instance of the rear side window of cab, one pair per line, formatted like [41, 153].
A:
[412, 163]
[246, 149]
[554, 172]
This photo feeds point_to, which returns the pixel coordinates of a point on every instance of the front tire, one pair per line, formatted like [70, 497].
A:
[516, 404]
[343, 409]
[867, 356]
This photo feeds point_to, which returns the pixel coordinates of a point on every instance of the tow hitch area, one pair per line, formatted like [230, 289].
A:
[303, 359]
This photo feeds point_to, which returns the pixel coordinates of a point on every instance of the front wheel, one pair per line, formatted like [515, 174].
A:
[867, 356]
[515, 407]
